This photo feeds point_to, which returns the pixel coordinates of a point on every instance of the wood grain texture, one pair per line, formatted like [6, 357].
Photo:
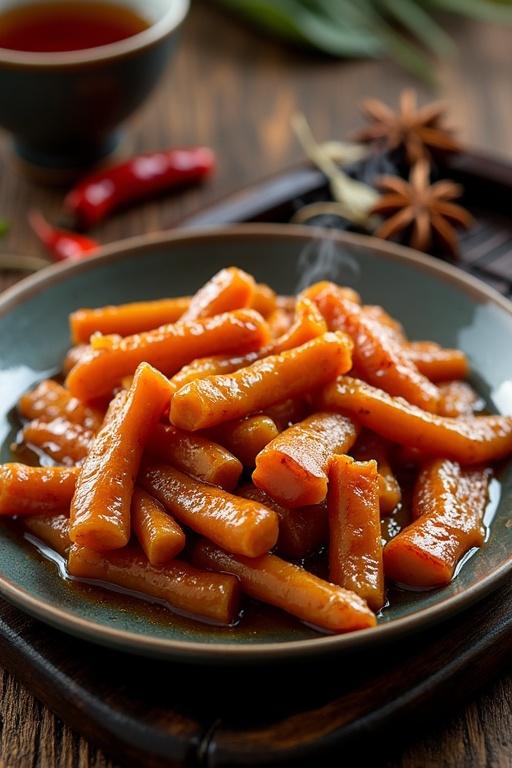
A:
[232, 90]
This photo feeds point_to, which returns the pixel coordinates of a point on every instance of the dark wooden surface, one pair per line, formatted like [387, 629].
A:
[236, 92]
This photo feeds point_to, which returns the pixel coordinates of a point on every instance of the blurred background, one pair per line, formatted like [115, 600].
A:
[233, 86]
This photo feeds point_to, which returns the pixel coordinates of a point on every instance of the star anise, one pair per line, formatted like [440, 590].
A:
[421, 211]
[417, 130]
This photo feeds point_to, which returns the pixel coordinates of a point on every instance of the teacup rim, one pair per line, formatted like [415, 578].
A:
[168, 23]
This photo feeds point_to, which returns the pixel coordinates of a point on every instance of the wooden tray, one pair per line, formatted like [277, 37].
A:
[152, 714]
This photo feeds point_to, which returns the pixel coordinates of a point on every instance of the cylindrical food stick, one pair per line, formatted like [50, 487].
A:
[448, 504]
[355, 547]
[158, 534]
[293, 467]
[287, 586]
[35, 490]
[473, 440]
[100, 510]
[207, 402]
[183, 587]
[238, 525]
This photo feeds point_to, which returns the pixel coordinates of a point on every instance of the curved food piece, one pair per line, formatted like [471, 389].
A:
[73, 355]
[355, 546]
[473, 440]
[214, 597]
[378, 354]
[195, 455]
[293, 467]
[307, 324]
[239, 525]
[160, 537]
[302, 531]
[35, 490]
[52, 530]
[126, 319]
[215, 365]
[168, 349]
[229, 289]
[436, 363]
[457, 399]
[370, 446]
[287, 586]
[65, 442]
[50, 400]
[246, 437]
[100, 510]
[448, 504]
[207, 402]
[263, 300]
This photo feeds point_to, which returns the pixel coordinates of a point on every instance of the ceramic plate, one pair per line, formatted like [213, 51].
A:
[432, 300]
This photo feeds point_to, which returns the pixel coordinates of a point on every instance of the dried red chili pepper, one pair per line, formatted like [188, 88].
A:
[61, 244]
[105, 190]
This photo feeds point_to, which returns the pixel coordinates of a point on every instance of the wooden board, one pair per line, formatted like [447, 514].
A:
[154, 714]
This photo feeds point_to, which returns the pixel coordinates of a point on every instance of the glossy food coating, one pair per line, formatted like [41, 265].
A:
[229, 289]
[240, 525]
[183, 587]
[246, 437]
[35, 490]
[293, 467]
[370, 446]
[291, 588]
[126, 319]
[302, 531]
[207, 402]
[52, 530]
[378, 354]
[160, 537]
[168, 349]
[355, 547]
[100, 510]
[436, 363]
[65, 442]
[195, 455]
[448, 505]
[50, 400]
[474, 440]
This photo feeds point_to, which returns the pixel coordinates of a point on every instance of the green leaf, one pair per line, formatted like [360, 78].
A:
[482, 10]
[4, 227]
[419, 23]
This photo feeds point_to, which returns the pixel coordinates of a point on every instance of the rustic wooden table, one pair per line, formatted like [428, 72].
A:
[230, 89]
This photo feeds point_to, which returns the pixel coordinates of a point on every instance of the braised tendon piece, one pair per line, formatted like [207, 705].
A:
[167, 348]
[240, 525]
[158, 534]
[355, 548]
[195, 455]
[448, 507]
[293, 467]
[473, 440]
[289, 587]
[126, 319]
[378, 353]
[50, 400]
[65, 442]
[207, 402]
[302, 531]
[35, 490]
[100, 510]
[229, 289]
[214, 597]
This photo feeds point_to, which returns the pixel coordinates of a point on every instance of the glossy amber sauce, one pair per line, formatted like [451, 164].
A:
[67, 26]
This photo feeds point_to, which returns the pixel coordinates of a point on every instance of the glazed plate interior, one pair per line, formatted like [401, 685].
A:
[432, 300]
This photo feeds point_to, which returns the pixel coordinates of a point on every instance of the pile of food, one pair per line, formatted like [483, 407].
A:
[237, 442]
